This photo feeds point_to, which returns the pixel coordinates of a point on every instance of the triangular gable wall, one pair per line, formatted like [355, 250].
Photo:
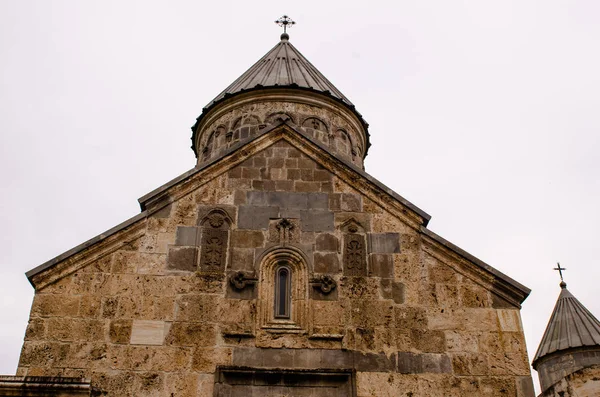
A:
[348, 180]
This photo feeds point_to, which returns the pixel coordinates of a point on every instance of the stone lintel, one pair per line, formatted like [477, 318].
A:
[401, 362]
[43, 386]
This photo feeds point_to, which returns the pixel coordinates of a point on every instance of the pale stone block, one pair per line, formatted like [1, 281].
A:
[145, 332]
[509, 320]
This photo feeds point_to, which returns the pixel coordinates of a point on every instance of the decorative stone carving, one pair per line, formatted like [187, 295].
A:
[354, 249]
[214, 246]
[214, 241]
[284, 231]
[240, 280]
[324, 283]
[278, 117]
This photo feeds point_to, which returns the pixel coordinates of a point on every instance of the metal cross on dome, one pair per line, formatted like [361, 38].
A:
[560, 269]
[284, 21]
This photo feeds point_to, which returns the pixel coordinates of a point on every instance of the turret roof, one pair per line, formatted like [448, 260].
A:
[571, 326]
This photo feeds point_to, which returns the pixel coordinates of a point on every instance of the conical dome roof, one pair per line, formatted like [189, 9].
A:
[571, 325]
[282, 66]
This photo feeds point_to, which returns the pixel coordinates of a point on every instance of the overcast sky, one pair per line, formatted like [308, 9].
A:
[485, 114]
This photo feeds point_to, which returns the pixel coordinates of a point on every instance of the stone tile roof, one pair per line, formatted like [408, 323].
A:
[571, 325]
[283, 66]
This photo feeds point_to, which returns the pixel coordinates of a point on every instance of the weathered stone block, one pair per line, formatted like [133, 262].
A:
[182, 258]
[410, 317]
[191, 334]
[381, 265]
[351, 202]
[470, 364]
[187, 235]
[120, 331]
[45, 305]
[326, 263]
[247, 238]
[207, 359]
[327, 242]
[368, 313]
[36, 329]
[385, 243]
[197, 308]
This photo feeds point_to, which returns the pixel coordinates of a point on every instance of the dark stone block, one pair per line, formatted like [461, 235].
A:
[256, 217]
[327, 242]
[164, 212]
[318, 201]
[386, 288]
[256, 198]
[241, 259]
[278, 358]
[186, 235]
[335, 202]
[374, 362]
[384, 243]
[289, 213]
[410, 363]
[382, 265]
[351, 202]
[501, 303]
[307, 358]
[316, 221]
[336, 359]
[182, 258]
[327, 263]
[248, 357]
[287, 200]
[398, 292]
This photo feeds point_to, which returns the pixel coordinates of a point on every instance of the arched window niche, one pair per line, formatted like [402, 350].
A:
[283, 290]
[283, 283]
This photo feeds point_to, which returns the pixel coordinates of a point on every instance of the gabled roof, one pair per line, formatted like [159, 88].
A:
[571, 326]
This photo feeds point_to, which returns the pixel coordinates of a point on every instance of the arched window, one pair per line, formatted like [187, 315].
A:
[283, 288]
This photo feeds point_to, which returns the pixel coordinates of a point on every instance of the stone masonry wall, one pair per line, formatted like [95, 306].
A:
[369, 293]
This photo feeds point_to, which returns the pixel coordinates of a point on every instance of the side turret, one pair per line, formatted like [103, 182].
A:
[568, 358]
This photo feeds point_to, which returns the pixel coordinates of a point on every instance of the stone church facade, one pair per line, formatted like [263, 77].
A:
[275, 267]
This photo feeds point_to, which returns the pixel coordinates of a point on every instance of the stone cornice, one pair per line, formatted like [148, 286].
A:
[87, 252]
[474, 269]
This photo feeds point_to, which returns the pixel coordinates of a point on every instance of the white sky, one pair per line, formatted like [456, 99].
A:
[485, 114]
